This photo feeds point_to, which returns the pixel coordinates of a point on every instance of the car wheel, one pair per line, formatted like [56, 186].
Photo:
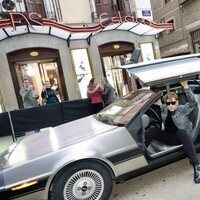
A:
[83, 181]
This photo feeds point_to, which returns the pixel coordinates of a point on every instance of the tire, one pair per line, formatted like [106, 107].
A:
[83, 181]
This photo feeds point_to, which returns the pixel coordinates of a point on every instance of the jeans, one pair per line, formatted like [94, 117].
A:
[180, 137]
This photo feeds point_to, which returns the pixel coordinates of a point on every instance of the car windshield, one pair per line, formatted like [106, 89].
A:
[123, 110]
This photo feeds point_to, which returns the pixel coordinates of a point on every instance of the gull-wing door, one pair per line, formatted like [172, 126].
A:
[165, 71]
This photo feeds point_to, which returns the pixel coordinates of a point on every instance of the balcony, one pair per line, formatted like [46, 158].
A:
[47, 9]
[111, 7]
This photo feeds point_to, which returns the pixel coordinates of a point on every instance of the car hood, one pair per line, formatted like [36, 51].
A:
[57, 138]
[165, 71]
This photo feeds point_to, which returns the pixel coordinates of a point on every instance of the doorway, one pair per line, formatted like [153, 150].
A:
[38, 73]
[38, 66]
[114, 55]
[116, 77]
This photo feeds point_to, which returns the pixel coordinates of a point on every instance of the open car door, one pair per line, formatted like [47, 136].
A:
[165, 71]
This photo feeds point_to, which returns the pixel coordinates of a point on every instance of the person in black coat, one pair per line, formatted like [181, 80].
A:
[48, 94]
[108, 94]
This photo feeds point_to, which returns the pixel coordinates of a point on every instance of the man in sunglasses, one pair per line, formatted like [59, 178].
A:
[176, 126]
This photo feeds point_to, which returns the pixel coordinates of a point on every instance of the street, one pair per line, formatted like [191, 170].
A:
[172, 182]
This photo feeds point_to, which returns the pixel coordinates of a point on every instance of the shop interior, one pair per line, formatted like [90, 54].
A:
[38, 72]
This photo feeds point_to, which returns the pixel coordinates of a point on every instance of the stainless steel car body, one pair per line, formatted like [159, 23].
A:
[38, 158]
[165, 71]
[57, 147]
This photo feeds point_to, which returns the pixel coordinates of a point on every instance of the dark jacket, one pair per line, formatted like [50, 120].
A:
[180, 115]
[109, 94]
[50, 96]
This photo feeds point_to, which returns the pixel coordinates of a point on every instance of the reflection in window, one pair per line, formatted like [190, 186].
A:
[123, 110]
[82, 69]
[195, 35]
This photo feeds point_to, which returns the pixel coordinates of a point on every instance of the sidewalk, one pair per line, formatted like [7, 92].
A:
[174, 181]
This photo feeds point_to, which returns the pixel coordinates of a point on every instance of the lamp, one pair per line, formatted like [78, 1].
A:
[34, 53]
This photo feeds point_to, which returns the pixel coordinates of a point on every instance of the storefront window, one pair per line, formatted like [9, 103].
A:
[147, 52]
[116, 77]
[38, 73]
[82, 69]
[196, 40]
[197, 47]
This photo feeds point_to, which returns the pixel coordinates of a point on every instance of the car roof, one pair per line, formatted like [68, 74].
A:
[165, 71]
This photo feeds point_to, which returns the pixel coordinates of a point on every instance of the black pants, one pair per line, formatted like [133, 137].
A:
[180, 137]
[97, 107]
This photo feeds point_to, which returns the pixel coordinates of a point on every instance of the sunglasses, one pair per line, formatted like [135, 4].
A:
[170, 102]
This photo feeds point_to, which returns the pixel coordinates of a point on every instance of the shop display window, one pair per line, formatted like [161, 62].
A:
[147, 52]
[82, 70]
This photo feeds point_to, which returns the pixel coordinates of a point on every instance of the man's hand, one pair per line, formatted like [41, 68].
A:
[184, 84]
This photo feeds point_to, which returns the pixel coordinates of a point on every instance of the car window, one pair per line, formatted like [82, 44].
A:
[123, 110]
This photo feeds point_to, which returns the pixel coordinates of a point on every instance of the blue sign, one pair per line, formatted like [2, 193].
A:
[146, 13]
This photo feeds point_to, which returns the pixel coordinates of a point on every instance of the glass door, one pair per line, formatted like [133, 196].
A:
[117, 77]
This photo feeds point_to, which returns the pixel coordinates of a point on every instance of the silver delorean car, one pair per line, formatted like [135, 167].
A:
[81, 159]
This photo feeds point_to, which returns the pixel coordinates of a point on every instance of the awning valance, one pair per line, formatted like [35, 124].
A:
[142, 27]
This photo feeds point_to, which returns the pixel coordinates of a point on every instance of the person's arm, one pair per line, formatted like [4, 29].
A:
[106, 91]
[43, 94]
[25, 93]
[100, 89]
[94, 90]
[190, 97]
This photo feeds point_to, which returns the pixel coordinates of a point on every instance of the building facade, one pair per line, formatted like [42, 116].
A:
[65, 51]
[185, 36]
[90, 10]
